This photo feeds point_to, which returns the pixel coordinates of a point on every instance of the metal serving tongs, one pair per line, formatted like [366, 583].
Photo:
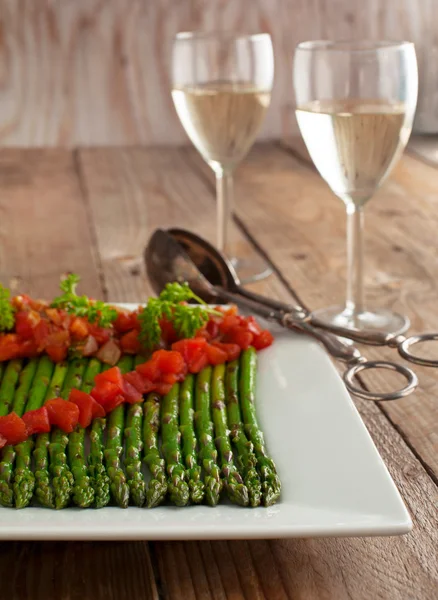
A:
[180, 255]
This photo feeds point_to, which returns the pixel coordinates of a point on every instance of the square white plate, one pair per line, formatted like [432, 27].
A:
[334, 482]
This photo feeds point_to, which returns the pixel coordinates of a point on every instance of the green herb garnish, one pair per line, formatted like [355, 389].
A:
[6, 310]
[187, 319]
[95, 311]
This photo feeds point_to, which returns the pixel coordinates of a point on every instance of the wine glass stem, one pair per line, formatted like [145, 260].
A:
[355, 295]
[224, 196]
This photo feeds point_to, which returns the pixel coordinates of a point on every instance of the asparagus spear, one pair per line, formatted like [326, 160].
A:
[24, 479]
[271, 485]
[83, 491]
[101, 481]
[113, 451]
[43, 487]
[7, 387]
[9, 452]
[189, 443]
[157, 488]
[177, 486]
[236, 489]
[245, 458]
[133, 448]
[63, 480]
[204, 431]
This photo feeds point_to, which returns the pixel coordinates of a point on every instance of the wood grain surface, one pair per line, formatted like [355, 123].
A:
[96, 72]
[97, 207]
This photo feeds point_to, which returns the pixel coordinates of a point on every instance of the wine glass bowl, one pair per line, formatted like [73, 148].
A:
[221, 88]
[355, 108]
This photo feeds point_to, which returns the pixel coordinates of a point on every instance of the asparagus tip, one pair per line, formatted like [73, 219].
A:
[197, 491]
[120, 491]
[213, 489]
[156, 493]
[179, 493]
[271, 489]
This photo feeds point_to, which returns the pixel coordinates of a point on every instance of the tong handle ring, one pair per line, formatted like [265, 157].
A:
[350, 375]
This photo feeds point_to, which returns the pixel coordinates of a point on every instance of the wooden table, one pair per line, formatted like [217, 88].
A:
[91, 211]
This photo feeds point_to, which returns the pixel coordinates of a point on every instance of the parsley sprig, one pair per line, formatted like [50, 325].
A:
[95, 311]
[187, 319]
[6, 310]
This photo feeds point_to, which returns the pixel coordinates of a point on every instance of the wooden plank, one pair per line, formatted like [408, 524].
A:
[44, 227]
[44, 231]
[90, 72]
[75, 570]
[132, 191]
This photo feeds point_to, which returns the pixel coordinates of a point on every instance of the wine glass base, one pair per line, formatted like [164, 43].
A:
[251, 269]
[381, 320]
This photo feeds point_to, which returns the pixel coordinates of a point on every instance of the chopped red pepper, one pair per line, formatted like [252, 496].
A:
[37, 421]
[88, 407]
[63, 414]
[12, 428]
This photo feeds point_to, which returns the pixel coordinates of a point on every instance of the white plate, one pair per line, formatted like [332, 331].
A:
[334, 482]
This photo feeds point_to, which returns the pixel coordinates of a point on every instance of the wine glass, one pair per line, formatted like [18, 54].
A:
[221, 88]
[355, 107]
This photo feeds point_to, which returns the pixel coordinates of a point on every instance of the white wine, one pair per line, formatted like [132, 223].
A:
[354, 143]
[221, 118]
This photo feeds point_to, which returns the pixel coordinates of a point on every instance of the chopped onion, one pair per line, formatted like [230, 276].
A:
[90, 346]
[109, 353]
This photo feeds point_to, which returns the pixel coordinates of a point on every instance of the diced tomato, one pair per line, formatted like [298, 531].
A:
[25, 323]
[88, 407]
[190, 348]
[3, 441]
[169, 361]
[63, 414]
[28, 348]
[215, 355]
[100, 334]
[169, 378]
[241, 337]
[140, 383]
[126, 321]
[79, 328]
[12, 428]
[57, 344]
[40, 334]
[111, 403]
[263, 340]
[163, 388]
[129, 342]
[213, 328]
[57, 353]
[150, 370]
[193, 352]
[229, 322]
[199, 362]
[37, 421]
[130, 393]
[105, 392]
[232, 350]
[54, 315]
[113, 375]
[168, 333]
[203, 333]
[9, 346]
[252, 326]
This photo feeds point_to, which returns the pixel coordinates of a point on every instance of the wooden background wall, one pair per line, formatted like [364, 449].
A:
[92, 72]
